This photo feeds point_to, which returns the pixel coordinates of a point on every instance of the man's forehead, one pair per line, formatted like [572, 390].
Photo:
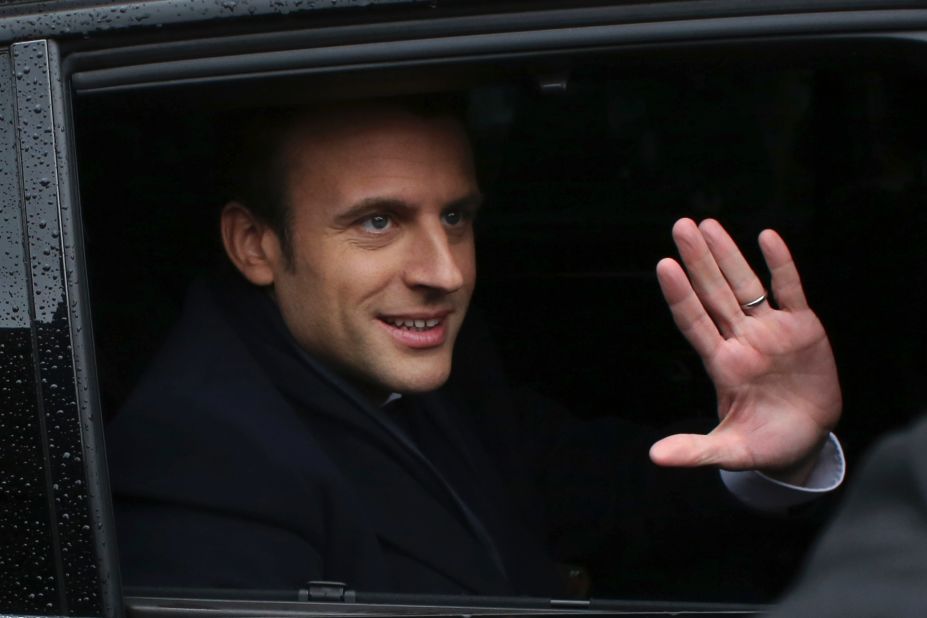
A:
[363, 151]
[377, 139]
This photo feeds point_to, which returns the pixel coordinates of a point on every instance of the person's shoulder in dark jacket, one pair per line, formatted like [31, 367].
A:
[872, 560]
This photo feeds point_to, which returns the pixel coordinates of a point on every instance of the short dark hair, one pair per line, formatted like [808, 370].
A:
[257, 169]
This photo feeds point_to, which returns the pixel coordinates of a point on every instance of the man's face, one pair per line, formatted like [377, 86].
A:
[383, 259]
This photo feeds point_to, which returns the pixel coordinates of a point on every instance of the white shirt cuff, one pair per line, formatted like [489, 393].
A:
[763, 493]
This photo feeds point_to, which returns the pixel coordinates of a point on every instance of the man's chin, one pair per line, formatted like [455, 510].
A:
[418, 381]
[376, 384]
[419, 386]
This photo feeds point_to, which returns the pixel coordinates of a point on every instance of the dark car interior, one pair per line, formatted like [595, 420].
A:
[586, 162]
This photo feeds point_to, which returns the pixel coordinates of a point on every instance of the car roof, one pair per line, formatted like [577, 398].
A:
[81, 19]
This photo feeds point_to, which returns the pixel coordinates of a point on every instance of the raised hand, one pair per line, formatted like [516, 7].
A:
[773, 369]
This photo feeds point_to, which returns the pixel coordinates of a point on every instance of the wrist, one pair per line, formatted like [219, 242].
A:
[798, 473]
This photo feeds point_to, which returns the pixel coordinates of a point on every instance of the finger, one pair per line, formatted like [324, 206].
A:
[684, 450]
[690, 450]
[706, 278]
[786, 284]
[746, 286]
[688, 313]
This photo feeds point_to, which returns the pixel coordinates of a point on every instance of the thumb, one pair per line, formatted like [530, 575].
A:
[686, 450]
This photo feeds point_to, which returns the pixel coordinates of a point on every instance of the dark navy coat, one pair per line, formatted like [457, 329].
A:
[240, 461]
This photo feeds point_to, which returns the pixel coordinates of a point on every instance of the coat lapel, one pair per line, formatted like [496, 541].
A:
[407, 502]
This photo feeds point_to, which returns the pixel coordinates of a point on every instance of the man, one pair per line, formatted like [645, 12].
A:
[263, 448]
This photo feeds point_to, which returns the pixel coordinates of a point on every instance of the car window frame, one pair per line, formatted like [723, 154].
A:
[82, 571]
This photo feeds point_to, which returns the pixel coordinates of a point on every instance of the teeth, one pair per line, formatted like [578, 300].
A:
[414, 324]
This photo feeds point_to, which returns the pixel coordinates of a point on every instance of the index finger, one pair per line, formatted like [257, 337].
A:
[705, 276]
[688, 313]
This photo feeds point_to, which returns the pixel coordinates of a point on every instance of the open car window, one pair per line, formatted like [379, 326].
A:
[590, 142]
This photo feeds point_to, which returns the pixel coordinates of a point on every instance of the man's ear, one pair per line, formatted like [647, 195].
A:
[251, 245]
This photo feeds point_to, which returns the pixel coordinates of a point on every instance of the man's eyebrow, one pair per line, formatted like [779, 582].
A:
[369, 205]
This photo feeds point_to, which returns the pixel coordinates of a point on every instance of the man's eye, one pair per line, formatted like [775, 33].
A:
[453, 217]
[376, 224]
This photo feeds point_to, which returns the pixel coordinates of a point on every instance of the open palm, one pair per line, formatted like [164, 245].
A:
[773, 369]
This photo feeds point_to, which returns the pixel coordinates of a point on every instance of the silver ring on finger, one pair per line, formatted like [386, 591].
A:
[753, 304]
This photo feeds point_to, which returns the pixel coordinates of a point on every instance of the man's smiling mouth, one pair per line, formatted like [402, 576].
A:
[417, 331]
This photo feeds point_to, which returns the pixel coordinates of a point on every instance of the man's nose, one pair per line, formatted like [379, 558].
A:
[434, 261]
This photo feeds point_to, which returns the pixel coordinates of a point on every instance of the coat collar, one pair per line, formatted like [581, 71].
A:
[398, 484]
